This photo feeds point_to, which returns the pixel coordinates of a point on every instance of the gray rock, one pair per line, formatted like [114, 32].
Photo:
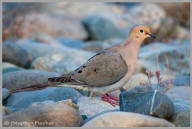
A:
[21, 100]
[24, 78]
[97, 46]
[149, 103]
[180, 92]
[6, 93]
[177, 55]
[135, 80]
[181, 116]
[8, 67]
[101, 28]
[38, 49]
[68, 42]
[45, 115]
[60, 62]
[16, 55]
[91, 106]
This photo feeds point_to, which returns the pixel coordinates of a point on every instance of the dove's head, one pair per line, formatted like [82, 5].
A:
[141, 32]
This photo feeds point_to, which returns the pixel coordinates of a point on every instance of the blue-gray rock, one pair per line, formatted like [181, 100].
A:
[100, 28]
[181, 116]
[6, 93]
[38, 49]
[24, 78]
[54, 58]
[177, 81]
[97, 46]
[14, 54]
[177, 53]
[8, 67]
[60, 62]
[149, 103]
[98, 114]
[179, 92]
[73, 43]
[21, 100]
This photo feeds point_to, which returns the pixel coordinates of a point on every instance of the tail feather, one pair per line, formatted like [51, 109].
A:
[53, 81]
[65, 79]
[35, 87]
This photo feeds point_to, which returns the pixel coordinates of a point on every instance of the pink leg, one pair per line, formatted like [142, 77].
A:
[113, 101]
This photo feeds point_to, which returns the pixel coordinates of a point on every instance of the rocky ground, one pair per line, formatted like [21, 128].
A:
[46, 43]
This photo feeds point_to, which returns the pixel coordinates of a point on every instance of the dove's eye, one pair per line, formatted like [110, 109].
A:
[141, 31]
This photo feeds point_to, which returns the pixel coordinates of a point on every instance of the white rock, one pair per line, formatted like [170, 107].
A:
[136, 80]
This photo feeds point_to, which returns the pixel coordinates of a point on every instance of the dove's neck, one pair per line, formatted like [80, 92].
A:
[129, 49]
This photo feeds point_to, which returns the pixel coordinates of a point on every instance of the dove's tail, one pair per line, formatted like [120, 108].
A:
[64, 80]
[35, 87]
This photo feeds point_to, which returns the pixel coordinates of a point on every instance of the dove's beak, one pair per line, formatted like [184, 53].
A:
[152, 36]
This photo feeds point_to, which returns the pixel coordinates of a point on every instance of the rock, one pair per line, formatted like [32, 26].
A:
[181, 92]
[95, 46]
[72, 43]
[37, 50]
[182, 16]
[60, 62]
[8, 67]
[126, 119]
[21, 100]
[177, 54]
[100, 28]
[6, 93]
[98, 114]
[163, 78]
[16, 55]
[140, 67]
[90, 8]
[27, 26]
[44, 115]
[23, 78]
[149, 103]
[91, 106]
[181, 81]
[47, 39]
[68, 102]
[136, 80]
[168, 29]
[60, 41]
[141, 79]
[175, 82]
[146, 16]
[181, 116]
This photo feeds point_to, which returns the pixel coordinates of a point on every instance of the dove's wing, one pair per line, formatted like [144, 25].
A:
[103, 69]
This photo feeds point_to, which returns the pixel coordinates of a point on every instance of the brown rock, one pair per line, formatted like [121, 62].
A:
[28, 25]
[126, 119]
[44, 115]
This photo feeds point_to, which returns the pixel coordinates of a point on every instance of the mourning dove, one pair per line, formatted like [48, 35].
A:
[109, 69]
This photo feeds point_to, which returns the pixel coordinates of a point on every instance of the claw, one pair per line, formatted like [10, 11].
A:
[107, 98]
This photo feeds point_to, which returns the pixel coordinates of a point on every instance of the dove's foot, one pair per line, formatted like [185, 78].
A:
[112, 100]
